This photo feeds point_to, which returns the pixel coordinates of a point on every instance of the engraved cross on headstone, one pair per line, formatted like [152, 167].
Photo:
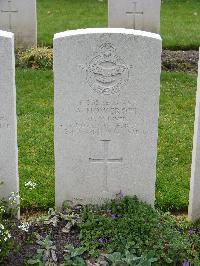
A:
[105, 161]
[10, 12]
[134, 12]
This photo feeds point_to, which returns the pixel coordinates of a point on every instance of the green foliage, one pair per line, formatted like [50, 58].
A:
[5, 237]
[73, 256]
[180, 21]
[117, 259]
[133, 228]
[10, 206]
[123, 231]
[45, 254]
[8, 209]
[36, 58]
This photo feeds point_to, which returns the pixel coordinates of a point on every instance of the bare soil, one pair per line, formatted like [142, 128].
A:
[186, 61]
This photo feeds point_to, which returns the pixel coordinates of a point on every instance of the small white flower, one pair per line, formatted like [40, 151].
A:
[24, 227]
[2, 210]
[2, 226]
[13, 199]
[30, 185]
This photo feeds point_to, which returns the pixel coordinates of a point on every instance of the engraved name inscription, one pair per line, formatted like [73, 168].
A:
[96, 116]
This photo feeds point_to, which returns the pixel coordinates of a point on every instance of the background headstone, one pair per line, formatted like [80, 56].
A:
[8, 123]
[134, 14]
[107, 84]
[19, 17]
[194, 200]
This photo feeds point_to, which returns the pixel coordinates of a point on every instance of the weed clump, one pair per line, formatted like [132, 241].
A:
[36, 58]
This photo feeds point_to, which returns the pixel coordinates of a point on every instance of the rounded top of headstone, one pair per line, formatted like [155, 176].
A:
[106, 30]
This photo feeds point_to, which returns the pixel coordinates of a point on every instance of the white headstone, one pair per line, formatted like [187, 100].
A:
[194, 199]
[107, 84]
[8, 124]
[19, 17]
[134, 14]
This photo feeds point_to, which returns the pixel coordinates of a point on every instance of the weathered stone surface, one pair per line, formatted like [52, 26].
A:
[194, 199]
[107, 84]
[139, 14]
[19, 17]
[8, 128]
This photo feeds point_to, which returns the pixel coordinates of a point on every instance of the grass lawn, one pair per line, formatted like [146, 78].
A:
[35, 138]
[180, 24]
[180, 21]
[176, 126]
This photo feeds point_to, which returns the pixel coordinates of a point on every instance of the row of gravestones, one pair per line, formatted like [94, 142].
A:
[106, 109]
[19, 17]
[107, 84]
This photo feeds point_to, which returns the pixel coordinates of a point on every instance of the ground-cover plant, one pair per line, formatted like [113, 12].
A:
[45, 253]
[73, 256]
[117, 259]
[123, 231]
[5, 237]
[45, 240]
[35, 138]
[179, 20]
[135, 231]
